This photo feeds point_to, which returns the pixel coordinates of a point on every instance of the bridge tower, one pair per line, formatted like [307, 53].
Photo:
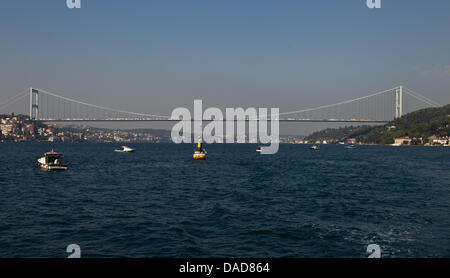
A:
[399, 102]
[34, 104]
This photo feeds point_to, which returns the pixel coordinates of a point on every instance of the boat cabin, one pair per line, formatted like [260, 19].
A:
[53, 158]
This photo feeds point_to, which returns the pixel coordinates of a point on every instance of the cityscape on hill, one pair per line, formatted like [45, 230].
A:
[19, 128]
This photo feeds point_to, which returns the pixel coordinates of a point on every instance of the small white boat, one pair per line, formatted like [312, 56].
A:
[258, 149]
[314, 148]
[350, 147]
[125, 149]
[51, 161]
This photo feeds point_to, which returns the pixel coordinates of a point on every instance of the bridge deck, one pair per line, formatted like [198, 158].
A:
[167, 120]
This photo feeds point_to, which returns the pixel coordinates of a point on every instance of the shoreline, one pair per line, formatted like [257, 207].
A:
[170, 142]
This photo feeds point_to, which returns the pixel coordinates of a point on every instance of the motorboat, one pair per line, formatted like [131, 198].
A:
[200, 152]
[51, 161]
[125, 149]
[350, 147]
[314, 148]
[258, 149]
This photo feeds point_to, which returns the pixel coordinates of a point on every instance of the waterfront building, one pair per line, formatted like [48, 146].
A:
[403, 141]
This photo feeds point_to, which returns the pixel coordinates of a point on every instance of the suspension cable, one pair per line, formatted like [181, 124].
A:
[101, 107]
[336, 104]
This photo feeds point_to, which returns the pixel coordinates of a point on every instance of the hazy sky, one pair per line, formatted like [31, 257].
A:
[152, 56]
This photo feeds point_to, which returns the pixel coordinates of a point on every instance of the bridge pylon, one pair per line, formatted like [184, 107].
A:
[399, 102]
[34, 104]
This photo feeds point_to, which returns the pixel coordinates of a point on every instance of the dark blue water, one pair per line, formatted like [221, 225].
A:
[158, 202]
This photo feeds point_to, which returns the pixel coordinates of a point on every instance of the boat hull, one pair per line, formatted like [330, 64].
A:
[46, 167]
[122, 151]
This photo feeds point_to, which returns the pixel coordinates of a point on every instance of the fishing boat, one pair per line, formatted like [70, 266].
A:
[314, 148]
[200, 152]
[125, 149]
[51, 161]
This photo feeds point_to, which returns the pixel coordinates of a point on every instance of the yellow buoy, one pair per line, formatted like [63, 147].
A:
[200, 153]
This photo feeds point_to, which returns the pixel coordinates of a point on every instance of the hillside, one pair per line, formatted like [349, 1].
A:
[419, 124]
[332, 134]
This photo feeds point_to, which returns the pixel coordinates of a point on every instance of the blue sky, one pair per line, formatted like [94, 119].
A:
[153, 56]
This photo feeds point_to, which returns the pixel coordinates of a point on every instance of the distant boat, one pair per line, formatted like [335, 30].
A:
[125, 149]
[350, 147]
[51, 161]
[258, 149]
[314, 148]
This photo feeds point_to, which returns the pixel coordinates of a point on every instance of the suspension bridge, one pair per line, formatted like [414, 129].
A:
[378, 107]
